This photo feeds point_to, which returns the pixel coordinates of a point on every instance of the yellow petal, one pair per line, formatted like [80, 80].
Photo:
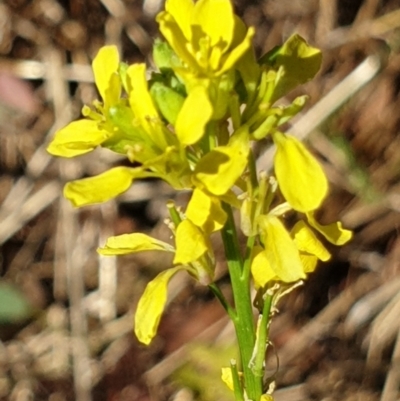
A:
[151, 306]
[105, 68]
[143, 106]
[306, 241]
[131, 243]
[77, 138]
[280, 250]
[226, 377]
[190, 243]
[266, 397]
[205, 212]
[309, 262]
[234, 56]
[261, 269]
[102, 187]
[181, 11]
[190, 125]
[208, 16]
[247, 216]
[334, 232]
[228, 162]
[175, 36]
[301, 179]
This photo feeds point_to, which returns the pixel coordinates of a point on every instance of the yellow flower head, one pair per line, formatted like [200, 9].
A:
[207, 37]
[82, 136]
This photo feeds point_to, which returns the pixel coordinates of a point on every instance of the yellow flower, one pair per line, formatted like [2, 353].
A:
[310, 248]
[82, 136]
[334, 232]
[289, 257]
[207, 44]
[227, 161]
[206, 212]
[133, 127]
[280, 258]
[192, 254]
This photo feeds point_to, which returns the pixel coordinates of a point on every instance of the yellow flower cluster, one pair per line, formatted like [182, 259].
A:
[174, 125]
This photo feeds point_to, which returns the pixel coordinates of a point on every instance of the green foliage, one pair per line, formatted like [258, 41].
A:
[14, 307]
[201, 373]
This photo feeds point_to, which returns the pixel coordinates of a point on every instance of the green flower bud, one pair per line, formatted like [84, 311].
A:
[167, 100]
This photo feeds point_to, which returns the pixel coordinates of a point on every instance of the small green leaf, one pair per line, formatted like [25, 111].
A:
[297, 61]
[168, 101]
[163, 55]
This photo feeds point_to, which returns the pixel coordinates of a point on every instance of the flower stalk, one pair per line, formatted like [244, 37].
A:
[243, 319]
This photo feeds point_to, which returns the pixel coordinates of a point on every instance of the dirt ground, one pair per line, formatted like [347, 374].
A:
[66, 315]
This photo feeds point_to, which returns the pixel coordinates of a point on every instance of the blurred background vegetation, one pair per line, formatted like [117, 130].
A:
[66, 314]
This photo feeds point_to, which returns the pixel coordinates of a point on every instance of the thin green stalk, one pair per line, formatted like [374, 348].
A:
[208, 141]
[260, 348]
[247, 261]
[243, 321]
[252, 170]
[217, 292]
[237, 387]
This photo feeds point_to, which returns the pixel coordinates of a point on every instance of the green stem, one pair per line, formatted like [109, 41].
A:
[252, 170]
[243, 321]
[237, 387]
[209, 139]
[262, 337]
[217, 292]
[247, 261]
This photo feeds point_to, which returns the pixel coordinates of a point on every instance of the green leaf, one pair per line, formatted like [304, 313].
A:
[163, 55]
[297, 61]
[168, 101]
[14, 306]
[129, 136]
